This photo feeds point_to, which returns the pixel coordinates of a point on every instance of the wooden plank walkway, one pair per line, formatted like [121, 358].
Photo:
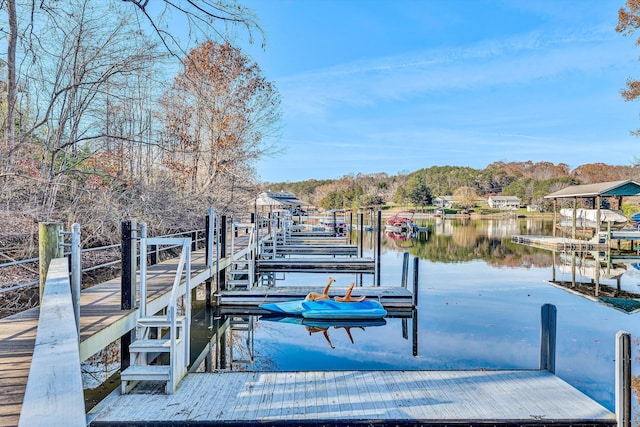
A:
[317, 264]
[559, 243]
[102, 321]
[289, 249]
[435, 398]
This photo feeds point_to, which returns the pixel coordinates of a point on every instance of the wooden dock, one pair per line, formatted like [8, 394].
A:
[102, 321]
[388, 296]
[322, 249]
[340, 398]
[317, 264]
[291, 398]
[559, 243]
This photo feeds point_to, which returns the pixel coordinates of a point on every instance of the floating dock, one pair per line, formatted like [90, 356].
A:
[341, 398]
[316, 264]
[311, 249]
[396, 296]
[559, 243]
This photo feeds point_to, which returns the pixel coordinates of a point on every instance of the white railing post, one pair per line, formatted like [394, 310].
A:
[187, 284]
[143, 269]
[210, 232]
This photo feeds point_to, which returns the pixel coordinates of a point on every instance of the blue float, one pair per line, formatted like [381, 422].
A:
[328, 309]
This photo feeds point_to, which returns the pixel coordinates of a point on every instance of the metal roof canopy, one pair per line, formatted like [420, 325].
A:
[617, 189]
[605, 189]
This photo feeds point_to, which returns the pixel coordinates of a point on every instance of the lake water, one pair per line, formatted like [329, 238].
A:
[479, 306]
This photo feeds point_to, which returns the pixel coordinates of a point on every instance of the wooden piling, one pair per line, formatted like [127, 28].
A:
[128, 265]
[378, 246]
[548, 315]
[222, 250]
[49, 248]
[405, 269]
[623, 379]
[416, 274]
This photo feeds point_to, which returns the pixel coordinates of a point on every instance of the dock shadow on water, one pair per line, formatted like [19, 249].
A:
[480, 297]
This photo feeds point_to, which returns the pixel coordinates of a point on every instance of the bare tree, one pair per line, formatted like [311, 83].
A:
[221, 113]
[203, 18]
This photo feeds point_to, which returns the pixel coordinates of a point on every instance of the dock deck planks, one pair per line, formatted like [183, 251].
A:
[101, 322]
[389, 296]
[559, 243]
[513, 397]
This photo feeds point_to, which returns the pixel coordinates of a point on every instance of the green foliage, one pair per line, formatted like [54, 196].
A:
[343, 199]
[532, 191]
[444, 180]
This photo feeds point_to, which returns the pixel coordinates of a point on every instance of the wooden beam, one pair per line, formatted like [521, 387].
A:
[54, 394]
[49, 248]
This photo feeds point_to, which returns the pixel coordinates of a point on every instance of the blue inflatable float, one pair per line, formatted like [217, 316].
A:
[328, 309]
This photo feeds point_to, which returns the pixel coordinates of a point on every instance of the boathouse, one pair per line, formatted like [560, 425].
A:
[270, 200]
[616, 190]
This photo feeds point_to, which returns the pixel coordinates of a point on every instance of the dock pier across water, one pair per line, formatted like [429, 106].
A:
[375, 397]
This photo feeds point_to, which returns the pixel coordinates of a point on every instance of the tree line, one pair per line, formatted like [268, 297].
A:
[530, 181]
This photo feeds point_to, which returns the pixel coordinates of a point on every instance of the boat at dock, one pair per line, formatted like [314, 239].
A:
[402, 222]
[588, 218]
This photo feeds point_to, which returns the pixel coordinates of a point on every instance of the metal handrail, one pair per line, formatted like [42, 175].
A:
[199, 232]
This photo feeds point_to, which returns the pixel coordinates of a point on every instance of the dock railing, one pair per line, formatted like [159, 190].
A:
[54, 393]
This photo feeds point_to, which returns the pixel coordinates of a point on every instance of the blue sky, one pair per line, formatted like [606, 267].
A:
[398, 85]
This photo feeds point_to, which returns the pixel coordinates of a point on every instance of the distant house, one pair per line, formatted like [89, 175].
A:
[443, 201]
[280, 200]
[504, 202]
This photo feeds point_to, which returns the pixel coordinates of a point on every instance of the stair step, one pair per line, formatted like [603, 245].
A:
[146, 373]
[158, 321]
[150, 346]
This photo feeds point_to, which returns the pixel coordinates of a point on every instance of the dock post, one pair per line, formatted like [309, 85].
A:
[223, 251]
[335, 225]
[378, 247]
[360, 234]
[127, 285]
[405, 269]
[143, 269]
[548, 314]
[209, 233]
[623, 379]
[49, 248]
[128, 265]
[76, 272]
[350, 225]
[414, 323]
[416, 274]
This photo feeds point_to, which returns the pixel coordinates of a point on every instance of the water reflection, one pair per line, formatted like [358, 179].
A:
[479, 308]
[598, 277]
[323, 326]
[224, 340]
[464, 240]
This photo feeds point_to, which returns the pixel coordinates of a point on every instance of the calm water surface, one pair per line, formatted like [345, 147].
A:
[479, 307]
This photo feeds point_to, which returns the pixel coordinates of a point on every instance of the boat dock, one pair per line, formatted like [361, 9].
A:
[319, 265]
[559, 243]
[389, 296]
[464, 398]
[342, 398]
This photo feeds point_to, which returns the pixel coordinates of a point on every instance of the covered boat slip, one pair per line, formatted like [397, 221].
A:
[598, 216]
[438, 398]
